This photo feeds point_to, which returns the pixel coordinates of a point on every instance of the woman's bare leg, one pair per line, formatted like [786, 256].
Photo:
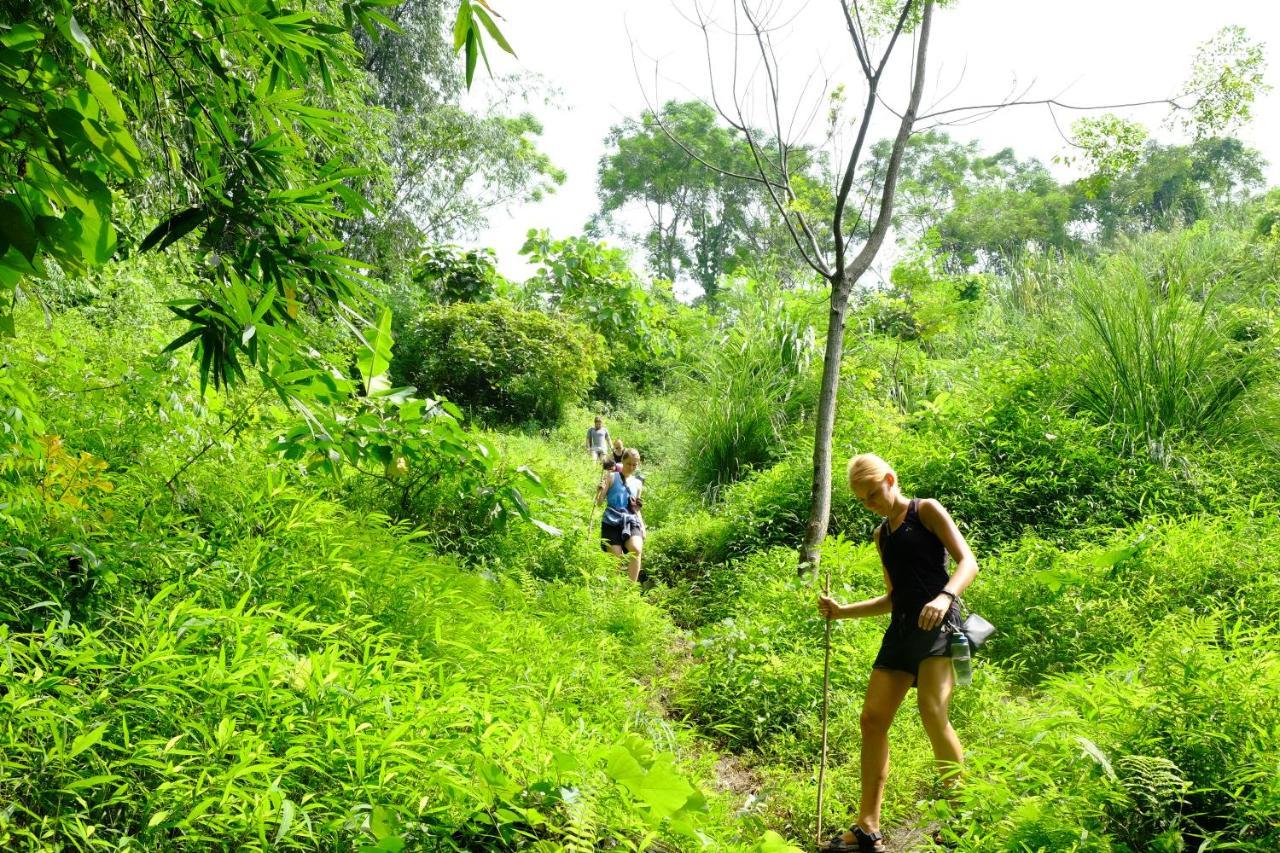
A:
[635, 546]
[933, 694]
[885, 692]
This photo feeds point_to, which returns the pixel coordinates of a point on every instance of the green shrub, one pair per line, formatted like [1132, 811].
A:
[1010, 459]
[1155, 349]
[739, 399]
[594, 284]
[508, 364]
[759, 672]
[1095, 603]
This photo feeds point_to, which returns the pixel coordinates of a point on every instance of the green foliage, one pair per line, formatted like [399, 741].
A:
[473, 17]
[447, 169]
[753, 383]
[1111, 144]
[1265, 225]
[1156, 349]
[1228, 75]
[1170, 186]
[989, 212]
[1185, 711]
[593, 284]
[251, 664]
[509, 364]
[1096, 602]
[978, 210]
[451, 274]
[705, 224]
[1023, 462]
[66, 139]
[261, 201]
[924, 303]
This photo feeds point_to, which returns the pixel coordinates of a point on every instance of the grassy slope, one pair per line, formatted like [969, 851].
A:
[247, 663]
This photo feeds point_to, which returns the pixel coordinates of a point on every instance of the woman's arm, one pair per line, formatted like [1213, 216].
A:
[938, 521]
[877, 606]
[603, 488]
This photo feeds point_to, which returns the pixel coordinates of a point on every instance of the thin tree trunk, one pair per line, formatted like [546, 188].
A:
[842, 281]
[820, 494]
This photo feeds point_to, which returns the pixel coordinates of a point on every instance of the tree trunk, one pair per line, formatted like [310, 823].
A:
[820, 494]
[842, 281]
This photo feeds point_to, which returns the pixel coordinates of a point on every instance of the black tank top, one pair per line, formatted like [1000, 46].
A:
[916, 561]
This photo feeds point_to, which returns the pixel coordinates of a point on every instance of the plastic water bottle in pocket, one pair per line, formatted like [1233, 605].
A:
[961, 660]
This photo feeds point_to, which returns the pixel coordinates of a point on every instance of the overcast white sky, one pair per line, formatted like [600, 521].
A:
[1084, 51]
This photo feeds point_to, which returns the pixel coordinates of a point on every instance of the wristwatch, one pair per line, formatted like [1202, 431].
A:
[949, 593]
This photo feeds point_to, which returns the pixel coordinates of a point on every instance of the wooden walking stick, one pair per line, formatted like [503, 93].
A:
[826, 690]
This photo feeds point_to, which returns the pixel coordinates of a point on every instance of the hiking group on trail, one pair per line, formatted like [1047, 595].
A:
[621, 525]
[926, 645]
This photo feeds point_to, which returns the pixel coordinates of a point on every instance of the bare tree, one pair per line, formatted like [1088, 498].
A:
[861, 210]
[827, 247]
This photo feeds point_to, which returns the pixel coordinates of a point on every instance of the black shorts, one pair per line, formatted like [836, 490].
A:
[611, 534]
[906, 644]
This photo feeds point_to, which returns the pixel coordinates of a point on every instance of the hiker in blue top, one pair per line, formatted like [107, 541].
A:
[621, 527]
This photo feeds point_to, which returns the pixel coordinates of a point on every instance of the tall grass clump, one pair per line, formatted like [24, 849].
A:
[1157, 349]
[738, 402]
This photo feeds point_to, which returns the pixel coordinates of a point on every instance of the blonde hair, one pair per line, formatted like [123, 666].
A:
[867, 468]
[631, 453]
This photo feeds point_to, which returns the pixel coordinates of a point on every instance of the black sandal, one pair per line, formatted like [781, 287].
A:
[863, 842]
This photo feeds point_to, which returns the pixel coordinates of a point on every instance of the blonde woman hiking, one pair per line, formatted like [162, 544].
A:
[914, 540]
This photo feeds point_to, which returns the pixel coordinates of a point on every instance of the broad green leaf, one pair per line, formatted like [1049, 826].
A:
[106, 98]
[461, 25]
[473, 54]
[286, 820]
[375, 358]
[1091, 749]
[97, 238]
[622, 767]
[174, 228]
[91, 781]
[772, 842]
[492, 29]
[21, 37]
[383, 822]
[17, 227]
[662, 788]
[70, 28]
[1117, 555]
[546, 528]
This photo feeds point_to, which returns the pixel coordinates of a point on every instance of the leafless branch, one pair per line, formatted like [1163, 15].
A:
[864, 258]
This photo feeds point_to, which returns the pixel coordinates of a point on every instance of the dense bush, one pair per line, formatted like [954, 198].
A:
[1020, 461]
[1095, 603]
[594, 284]
[508, 364]
[1163, 351]
[236, 660]
[1161, 748]
[739, 399]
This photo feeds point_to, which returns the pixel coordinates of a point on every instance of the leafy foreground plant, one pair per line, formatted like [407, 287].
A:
[367, 694]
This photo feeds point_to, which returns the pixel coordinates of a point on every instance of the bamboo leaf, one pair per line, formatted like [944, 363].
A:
[86, 740]
[174, 228]
[492, 28]
[462, 25]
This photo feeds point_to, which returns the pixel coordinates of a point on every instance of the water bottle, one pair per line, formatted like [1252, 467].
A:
[961, 662]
